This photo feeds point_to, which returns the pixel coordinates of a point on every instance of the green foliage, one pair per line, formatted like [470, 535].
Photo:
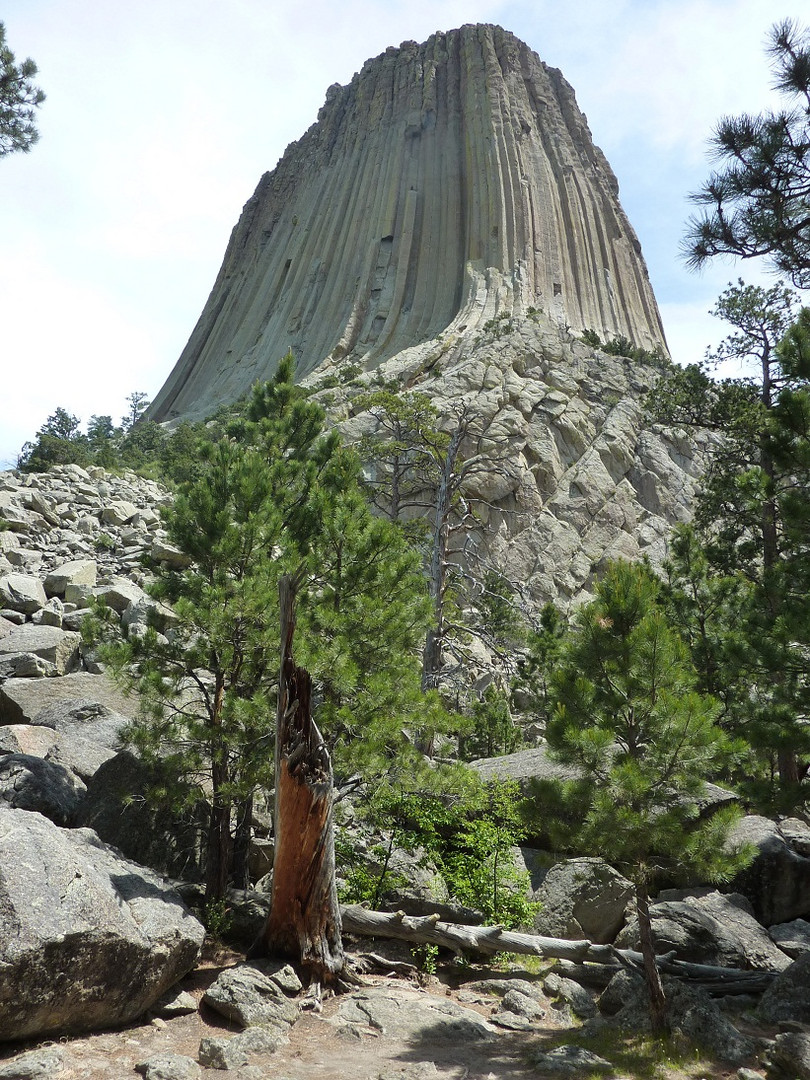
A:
[535, 666]
[623, 346]
[628, 716]
[499, 325]
[217, 918]
[590, 337]
[737, 579]
[468, 836]
[279, 495]
[19, 99]
[425, 957]
[756, 201]
[491, 729]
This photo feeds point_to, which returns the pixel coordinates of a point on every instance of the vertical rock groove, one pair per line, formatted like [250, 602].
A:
[446, 183]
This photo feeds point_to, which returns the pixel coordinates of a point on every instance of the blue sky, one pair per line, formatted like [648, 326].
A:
[162, 115]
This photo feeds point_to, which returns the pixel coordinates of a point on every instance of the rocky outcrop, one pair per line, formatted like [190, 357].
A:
[707, 927]
[449, 183]
[582, 898]
[777, 882]
[87, 940]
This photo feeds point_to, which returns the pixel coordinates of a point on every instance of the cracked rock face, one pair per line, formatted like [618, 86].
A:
[448, 183]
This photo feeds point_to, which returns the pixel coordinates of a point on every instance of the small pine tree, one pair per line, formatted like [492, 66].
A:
[628, 717]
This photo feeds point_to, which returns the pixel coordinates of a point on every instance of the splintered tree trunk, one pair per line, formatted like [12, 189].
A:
[304, 922]
[655, 989]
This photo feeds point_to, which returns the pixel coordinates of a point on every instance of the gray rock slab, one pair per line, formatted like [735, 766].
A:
[82, 756]
[26, 739]
[22, 700]
[57, 647]
[34, 1065]
[75, 572]
[224, 1053]
[710, 929]
[118, 512]
[789, 1057]
[174, 1004]
[523, 766]
[570, 1061]
[777, 882]
[788, 996]
[51, 615]
[583, 898]
[247, 997]
[88, 940]
[22, 592]
[32, 783]
[580, 1001]
[89, 719]
[118, 808]
[405, 1014]
[792, 937]
[690, 1012]
[169, 1067]
[21, 665]
[119, 594]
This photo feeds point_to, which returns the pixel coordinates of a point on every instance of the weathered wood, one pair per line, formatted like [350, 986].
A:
[304, 924]
[428, 929]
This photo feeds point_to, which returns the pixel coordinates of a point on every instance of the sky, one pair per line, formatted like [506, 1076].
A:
[162, 115]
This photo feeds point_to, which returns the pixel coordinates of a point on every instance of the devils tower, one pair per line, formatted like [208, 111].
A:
[447, 182]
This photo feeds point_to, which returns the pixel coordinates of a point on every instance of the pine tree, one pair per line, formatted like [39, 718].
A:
[740, 526]
[629, 719]
[19, 99]
[756, 201]
[278, 497]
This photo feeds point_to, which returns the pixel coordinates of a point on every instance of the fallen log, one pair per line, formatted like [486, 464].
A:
[429, 930]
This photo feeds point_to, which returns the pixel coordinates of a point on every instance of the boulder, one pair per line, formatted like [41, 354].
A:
[523, 766]
[777, 882]
[582, 898]
[25, 666]
[119, 806]
[89, 720]
[172, 556]
[788, 996]
[406, 1014]
[76, 572]
[21, 592]
[789, 1057]
[39, 1064]
[32, 783]
[88, 940]
[570, 1060]
[59, 648]
[169, 1067]
[693, 1015]
[708, 927]
[119, 594]
[22, 700]
[247, 997]
[792, 937]
[118, 512]
[26, 739]
[51, 615]
[225, 1053]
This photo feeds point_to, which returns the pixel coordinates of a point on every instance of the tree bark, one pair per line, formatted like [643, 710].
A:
[652, 976]
[240, 860]
[428, 929]
[304, 924]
